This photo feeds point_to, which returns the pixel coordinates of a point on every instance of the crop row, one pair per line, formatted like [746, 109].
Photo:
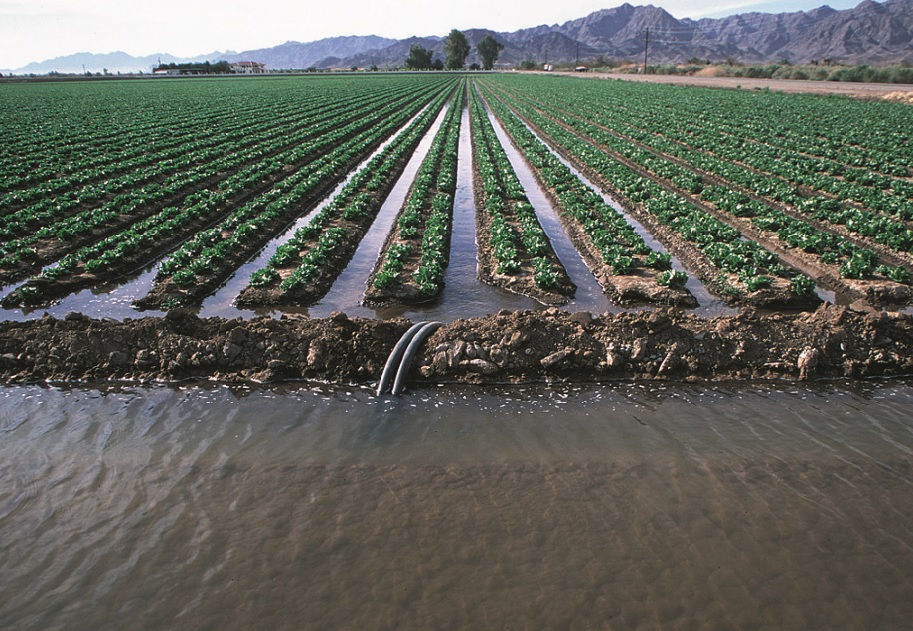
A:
[251, 167]
[258, 141]
[318, 162]
[46, 144]
[609, 243]
[876, 207]
[730, 199]
[856, 134]
[88, 183]
[206, 260]
[771, 175]
[521, 255]
[743, 265]
[418, 249]
[303, 268]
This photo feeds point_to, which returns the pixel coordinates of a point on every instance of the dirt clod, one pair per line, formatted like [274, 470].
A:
[667, 344]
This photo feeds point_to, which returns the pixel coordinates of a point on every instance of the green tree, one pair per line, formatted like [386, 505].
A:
[489, 49]
[457, 47]
[419, 58]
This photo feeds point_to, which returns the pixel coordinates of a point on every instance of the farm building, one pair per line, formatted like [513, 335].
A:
[248, 67]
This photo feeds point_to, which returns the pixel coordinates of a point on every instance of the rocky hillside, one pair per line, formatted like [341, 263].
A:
[872, 32]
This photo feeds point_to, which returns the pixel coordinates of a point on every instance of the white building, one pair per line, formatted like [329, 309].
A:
[248, 67]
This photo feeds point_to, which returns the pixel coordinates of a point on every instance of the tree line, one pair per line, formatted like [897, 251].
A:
[456, 50]
[220, 67]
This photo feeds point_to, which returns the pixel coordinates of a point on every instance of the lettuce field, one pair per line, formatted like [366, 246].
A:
[752, 197]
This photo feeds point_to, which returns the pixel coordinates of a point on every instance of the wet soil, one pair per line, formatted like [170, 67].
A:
[551, 345]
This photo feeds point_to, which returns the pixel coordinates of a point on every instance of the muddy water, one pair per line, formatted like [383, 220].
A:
[589, 295]
[529, 508]
[464, 296]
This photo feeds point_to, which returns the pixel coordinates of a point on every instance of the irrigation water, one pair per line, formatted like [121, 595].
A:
[625, 506]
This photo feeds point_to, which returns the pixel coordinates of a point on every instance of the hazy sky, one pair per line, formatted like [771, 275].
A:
[36, 30]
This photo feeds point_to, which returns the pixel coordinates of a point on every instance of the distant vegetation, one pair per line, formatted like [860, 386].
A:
[220, 67]
[457, 47]
[489, 49]
[825, 70]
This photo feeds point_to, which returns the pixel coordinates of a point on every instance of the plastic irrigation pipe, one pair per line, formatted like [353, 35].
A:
[393, 360]
[414, 344]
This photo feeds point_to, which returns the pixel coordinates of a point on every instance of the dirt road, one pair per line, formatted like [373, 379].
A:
[859, 90]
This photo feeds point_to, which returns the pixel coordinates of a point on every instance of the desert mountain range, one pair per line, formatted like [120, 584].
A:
[871, 33]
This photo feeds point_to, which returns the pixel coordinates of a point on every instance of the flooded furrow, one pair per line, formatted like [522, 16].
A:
[464, 295]
[348, 290]
[222, 304]
[110, 300]
[589, 295]
[710, 305]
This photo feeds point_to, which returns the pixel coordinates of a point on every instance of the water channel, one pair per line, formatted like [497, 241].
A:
[625, 506]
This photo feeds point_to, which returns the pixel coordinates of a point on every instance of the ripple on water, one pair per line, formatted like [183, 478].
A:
[536, 506]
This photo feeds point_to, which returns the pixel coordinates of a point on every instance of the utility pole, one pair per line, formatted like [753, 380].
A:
[577, 64]
[646, 46]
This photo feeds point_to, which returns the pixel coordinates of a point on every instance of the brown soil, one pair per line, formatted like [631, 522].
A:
[857, 90]
[550, 345]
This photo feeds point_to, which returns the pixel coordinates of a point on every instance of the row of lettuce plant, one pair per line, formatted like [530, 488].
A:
[207, 255]
[303, 268]
[507, 220]
[855, 134]
[619, 245]
[87, 183]
[769, 171]
[99, 162]
[252, 170]
[853, 260]
[48, 150]
[743, 264]
[418, 249]
[780, 181]
[167, 178]
[203, 262]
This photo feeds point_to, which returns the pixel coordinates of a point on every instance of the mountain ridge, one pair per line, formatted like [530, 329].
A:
[871, 32]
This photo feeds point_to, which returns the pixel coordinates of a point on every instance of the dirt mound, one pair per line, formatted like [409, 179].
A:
[901, 97]
[524, 346]
[710, 71]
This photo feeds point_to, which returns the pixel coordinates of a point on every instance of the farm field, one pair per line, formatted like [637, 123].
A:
[666, 391]
[761, 196]
[259, 193]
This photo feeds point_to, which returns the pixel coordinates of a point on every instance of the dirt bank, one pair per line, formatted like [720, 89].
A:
[892, 91]
[666, 344]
